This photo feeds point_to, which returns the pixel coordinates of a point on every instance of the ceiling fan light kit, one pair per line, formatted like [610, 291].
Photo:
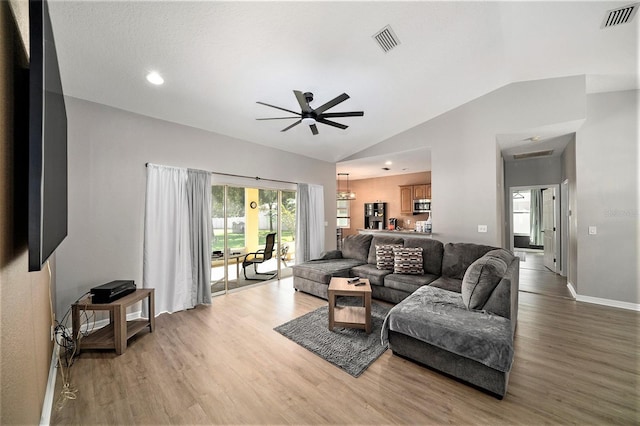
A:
[310, 117]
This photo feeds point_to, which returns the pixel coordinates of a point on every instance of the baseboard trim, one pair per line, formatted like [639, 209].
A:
[572, 290]
[609, 302]
[47, 404]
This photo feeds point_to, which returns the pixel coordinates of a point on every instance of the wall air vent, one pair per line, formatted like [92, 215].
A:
[386, 39]
[533, 154]
[619, 16]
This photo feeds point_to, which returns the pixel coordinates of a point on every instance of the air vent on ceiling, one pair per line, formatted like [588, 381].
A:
[386, 39]
[619, 16]
[533, 154]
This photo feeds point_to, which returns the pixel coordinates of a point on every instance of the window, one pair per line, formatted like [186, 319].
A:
[521, 212]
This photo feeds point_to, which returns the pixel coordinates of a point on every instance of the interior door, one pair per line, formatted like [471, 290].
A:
[549, 228]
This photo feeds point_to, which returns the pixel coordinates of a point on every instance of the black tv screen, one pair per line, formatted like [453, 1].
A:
[47, 192]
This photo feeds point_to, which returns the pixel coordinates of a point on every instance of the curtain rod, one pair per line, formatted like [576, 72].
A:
[245, 177]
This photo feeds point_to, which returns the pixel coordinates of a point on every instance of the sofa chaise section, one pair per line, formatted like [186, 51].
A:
[466, 335]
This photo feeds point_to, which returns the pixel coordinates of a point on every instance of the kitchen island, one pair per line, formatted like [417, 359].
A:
[395, 233]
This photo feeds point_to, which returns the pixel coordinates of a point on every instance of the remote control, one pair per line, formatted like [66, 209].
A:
[353, 280]
[359, 283]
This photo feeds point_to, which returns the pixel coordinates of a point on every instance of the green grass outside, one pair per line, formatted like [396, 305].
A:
[237, 240]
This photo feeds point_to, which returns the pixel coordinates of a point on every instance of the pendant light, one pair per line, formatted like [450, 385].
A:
[345, 195]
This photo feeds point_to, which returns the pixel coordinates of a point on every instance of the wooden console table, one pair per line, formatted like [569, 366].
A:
[119, 330]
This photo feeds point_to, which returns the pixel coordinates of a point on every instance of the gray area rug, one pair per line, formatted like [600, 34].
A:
[351, 349]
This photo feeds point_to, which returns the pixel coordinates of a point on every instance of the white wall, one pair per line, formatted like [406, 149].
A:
[465, 170]
[108, 149]
[608, 197]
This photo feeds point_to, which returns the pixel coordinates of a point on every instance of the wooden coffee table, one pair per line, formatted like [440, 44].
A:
[350, 316]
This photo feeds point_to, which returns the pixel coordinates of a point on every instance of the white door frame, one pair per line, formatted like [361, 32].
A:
[564, 228]
[512, 190]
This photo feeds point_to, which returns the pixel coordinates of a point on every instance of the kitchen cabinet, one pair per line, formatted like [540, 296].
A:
[406, 199]
[421, 192]
[408, 193]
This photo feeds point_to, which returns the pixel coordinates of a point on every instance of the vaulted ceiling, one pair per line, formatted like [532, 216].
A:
[219, 58]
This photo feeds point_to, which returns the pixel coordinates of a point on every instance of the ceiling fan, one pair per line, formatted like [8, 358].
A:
[310, 116]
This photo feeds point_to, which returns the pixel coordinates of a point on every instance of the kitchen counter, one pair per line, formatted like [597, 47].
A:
[402, 233]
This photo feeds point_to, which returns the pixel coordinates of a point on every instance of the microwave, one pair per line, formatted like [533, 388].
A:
[421, 206]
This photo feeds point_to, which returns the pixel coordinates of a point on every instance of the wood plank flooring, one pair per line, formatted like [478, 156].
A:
[536, 278]
[223, 364]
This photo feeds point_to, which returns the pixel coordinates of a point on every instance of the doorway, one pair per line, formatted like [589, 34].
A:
[250, 223]
[535, 236]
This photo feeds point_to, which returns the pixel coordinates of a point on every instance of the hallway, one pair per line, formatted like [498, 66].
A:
[536, 278]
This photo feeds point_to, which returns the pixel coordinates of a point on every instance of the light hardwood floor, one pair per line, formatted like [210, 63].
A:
[223, 364]
[536, 278]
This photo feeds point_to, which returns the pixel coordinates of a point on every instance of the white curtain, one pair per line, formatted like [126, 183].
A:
[309, 222]
[176, 242]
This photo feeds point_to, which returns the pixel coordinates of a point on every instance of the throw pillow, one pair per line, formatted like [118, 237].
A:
[407, 260]
[480, 279]
[384, 256]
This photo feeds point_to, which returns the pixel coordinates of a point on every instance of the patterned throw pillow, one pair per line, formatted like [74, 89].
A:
[384, 256]
[407, 260]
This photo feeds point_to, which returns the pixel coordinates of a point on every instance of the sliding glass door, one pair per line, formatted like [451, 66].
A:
[253, 236]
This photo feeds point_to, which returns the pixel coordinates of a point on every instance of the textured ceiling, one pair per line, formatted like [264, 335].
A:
[219, 58]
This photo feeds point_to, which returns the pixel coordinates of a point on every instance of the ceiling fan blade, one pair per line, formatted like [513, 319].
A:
[331, 123]
[294, 124]
[342, 114]
[302, 101]
[277, 118]
[332, 103]
[314, 129]
[277, 107]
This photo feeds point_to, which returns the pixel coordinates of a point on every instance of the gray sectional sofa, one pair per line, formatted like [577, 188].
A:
[457, 314]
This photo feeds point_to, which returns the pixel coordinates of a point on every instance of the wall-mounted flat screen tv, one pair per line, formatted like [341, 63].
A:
[47, 192]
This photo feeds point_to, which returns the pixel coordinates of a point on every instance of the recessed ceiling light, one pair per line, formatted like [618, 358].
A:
[388, 163]
[155, 78]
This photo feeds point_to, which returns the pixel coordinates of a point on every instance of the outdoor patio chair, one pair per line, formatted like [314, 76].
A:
[259, 256]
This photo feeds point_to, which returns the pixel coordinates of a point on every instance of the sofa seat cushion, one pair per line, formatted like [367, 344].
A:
[322, 270]
[448, 283]
[408, 283]
[370, 272]
[439, 317]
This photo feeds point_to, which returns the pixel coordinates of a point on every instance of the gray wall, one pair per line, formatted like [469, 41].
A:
[465, 171]
[607, 197]
[534, 171]
[108, 149]
[466, 175]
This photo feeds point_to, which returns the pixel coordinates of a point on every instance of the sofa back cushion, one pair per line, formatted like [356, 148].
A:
[379, 241]
[432, 251]
[459, 256]
[357, 247]
[480, 279]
